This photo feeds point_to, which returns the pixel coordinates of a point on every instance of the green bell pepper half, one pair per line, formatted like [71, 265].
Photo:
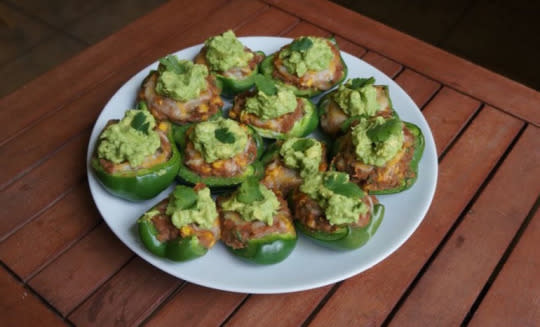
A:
[140, 184]
[346, 237]
[267, 250]
[231, 86]
[178, 249]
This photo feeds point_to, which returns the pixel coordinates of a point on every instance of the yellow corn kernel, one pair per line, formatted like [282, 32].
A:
[217, 164]
[163, 126]
[203, 107]
[186, 231]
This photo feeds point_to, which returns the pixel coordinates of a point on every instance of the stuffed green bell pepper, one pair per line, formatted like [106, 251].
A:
[334, 212]
[256, 224]
[181, 91]
[136, 158]
[275, 112]
[219, 153]
[381, 155]
[309, 65]
[233, 64]
[183, 226]
[355, 97]
[287, 163]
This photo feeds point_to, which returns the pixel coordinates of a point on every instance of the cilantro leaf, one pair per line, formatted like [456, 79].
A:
[139, 123]
[172, 64]
[224, 135]
[249, 191]
[381, 133]
[183, 197]
[339, 184]
[303, 144]
[301, 44]
[333, 179]
[265, 84]
[358, 83]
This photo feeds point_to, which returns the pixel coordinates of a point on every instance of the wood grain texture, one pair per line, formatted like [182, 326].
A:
[127, 298]
[503, 305]
[381, 287]
[19, 307]
[269, 23]
[306, 28]
[197, 306]
[387, 66]
[40, 241]
[449, 111]
[448, 289]
[40, 188]
[74, 275]
[349, 47]
[417, 86]
[438, 64]
[86, 70]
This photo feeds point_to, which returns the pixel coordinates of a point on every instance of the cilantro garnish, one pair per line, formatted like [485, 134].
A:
[139, 123]
[339, 184]
[301, 44]
[265, 85]
[381, 133]
[302, 144]
[249, 191]
[357, 83]
[172, 64]
[184, 197]
[224, 135]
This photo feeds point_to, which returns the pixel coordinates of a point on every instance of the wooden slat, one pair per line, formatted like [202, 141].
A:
[48, 93]
[44, 185]
[278, 309]
[460, 176]
[128, 298]
[197, 306]
[39, 242]
[387, 66]
[68, 280]
[447, 290]
[305, 28]
[271, 22]
[418, 87]
[19, 307]
[449, 112]
[349, 47]
[438, 64]
[504, 305]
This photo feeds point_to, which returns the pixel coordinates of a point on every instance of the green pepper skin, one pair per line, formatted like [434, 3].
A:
[419, 144]
[141, 184]
[267, 250]
[230, 86]
[346, 238]
[179, 249]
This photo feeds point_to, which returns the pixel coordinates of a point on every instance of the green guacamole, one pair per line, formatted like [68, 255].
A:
[304, 154]
[306, 54]
[357, 101]
[132, 139]
[224, 52]
[340, 207]
[261, 210]
[271, 106]
[373, 143]
[181, 80]
[202, 211]
[219, 139]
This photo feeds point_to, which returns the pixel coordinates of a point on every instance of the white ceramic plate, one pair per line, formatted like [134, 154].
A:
[309, 265]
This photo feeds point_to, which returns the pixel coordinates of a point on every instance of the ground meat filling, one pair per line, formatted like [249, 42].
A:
[231, 167]
[373, 178]
[195, 110]
[334, 117]
[162, 154]
[282, 124]
[167, 231]
[236, 232]
[308, 212]
[235, 72]
[321, 80]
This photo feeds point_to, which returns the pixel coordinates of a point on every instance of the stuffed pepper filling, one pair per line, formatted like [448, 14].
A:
[309, 63]
[356, 97]
[377, 153]
[181, 91]
[220, 148]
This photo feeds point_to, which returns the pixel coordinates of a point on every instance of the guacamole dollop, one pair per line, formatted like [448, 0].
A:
[187, 206]
[267, 106]
[219, 139]
[340, 199]
[224, 52]
[131, 139]
[357, 98]
[306, 53]
[304, 154]
[377, 140]
[181, 80]
[262, 208]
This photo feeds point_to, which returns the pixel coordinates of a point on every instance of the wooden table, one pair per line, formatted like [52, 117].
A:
[474, 259]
